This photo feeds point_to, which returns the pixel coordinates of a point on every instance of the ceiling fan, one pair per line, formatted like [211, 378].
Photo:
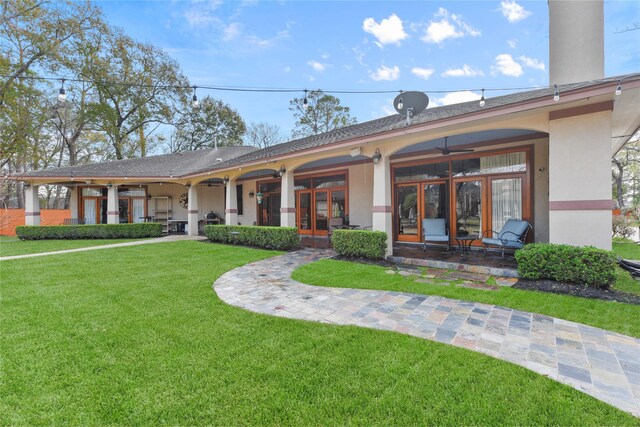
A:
[446, 150]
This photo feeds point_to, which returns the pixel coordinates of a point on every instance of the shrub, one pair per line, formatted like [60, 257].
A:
[623, 226]
[360, 243]
[278, 238]
[584, 265]
[95, 231]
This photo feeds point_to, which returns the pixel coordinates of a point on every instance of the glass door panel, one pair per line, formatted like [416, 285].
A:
[506, 201]
[274, 210]
[138, 210]
[435, 200]
[123, 207]
[338, 204]
[90, 211]
[408, 214]
[304, 212]
[469, 207]
[321, 216]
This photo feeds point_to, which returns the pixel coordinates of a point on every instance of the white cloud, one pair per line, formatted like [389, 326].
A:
[513, 11]
[359, 56]
[231, 31]
[532, 63]
[267, 43]
[317, 66]
[286, 69]
[512, 43]
[507, 66]
[423, 73]
[388, 31]
[454, 98]
[386, 73]
[465, 71]
[202, 14]
[325, 56]
[448, 26]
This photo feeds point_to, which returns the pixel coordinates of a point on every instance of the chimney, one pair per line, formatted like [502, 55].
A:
[576, 41]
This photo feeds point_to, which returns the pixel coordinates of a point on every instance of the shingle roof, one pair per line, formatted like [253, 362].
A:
[191, 163]
[162, 166]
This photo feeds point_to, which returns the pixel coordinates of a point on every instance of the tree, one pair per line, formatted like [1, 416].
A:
[145, 93]
[263, 135]
[209, 124]
[323, 114]
[626, 174]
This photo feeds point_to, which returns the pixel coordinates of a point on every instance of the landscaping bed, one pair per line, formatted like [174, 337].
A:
[577, 290]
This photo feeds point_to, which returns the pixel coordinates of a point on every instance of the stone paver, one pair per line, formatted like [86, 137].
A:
[164, 239]
[603, 364]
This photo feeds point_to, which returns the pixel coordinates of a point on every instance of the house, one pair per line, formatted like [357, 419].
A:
[534, 156]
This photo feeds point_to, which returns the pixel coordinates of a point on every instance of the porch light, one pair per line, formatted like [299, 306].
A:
[281, 171]
[194, 99]
[251, 194]
[188, 184]
[376, 156]
[27, 185]
[259, 198]
[305, 102]
[225, 180]
[619, 88]
[556, 94]
[62, 95]
[400, 104]
[482, 99]
[109, 185]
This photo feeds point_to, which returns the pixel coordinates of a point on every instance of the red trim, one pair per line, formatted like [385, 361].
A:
[579, 111]
[381, 209]
[32, 213]
[287, 210]
[581, 205]
[231, 211]
[192, 211]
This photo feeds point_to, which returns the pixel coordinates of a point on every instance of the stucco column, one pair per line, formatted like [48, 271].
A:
[113, 209]
[382, 220]
[192, 211]
[73, 202]
[31, 205]
[231, 205]
[580, 201]
[287, 201]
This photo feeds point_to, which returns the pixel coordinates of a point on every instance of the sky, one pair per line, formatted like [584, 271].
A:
[431, 46]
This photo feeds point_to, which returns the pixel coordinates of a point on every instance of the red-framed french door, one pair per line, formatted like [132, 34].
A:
[305, 212]
[417, 201]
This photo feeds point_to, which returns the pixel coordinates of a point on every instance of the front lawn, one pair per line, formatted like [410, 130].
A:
[10, 246]
[136, 335]
[627, 249]
[623, 318]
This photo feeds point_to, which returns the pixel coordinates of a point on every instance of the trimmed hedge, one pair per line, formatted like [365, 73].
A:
[359, 243]
[94, 231]
[278, 238]
[583, 265]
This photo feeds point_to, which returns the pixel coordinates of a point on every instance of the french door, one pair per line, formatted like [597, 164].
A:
[416, 202]
[269, 210]
[316, 208]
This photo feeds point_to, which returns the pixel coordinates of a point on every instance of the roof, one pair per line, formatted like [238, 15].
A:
[161, 166]
[195, 162]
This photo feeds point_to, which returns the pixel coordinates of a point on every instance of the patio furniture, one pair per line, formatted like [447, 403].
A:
[335, 224]
[464, 242]
[513, 235]
[435, 230]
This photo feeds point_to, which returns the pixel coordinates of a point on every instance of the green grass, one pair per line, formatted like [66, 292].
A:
[627, 249]
[136, 336]
[623, 318]
[10, 246]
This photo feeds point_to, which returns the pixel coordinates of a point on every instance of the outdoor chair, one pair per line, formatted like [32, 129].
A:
[335, 224]
[513, 235]
[435, 230]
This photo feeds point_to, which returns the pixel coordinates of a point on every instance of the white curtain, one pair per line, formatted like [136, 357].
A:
[506, 201]
[138, 210]
[89, 211]
[503, 163]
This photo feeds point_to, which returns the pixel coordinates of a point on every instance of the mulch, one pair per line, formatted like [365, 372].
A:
[577, 290]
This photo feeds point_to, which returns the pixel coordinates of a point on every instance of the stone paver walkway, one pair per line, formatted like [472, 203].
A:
[603, 364]
[164, 239]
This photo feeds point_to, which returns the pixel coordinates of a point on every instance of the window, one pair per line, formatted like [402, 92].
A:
[239, 199]
[422, 172]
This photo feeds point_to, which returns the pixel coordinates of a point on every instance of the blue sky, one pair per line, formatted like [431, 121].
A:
[359, 45]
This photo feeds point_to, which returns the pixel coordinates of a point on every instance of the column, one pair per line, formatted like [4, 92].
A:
[31, 205]
[73, 202]
[113, 208]
[192, 211]
[287, 201]
[231, 205]
[382, 200]
[580, 201]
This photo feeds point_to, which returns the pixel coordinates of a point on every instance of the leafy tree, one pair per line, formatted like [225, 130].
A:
[263, 135]
[322, 114]
[626, 174]
[211, 123]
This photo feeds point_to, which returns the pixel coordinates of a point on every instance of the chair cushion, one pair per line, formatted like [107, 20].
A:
[438, 238]
[434, 227]
[497, 242]
[513, 230]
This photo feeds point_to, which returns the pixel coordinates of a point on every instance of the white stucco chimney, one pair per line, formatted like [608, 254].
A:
[576, 40]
